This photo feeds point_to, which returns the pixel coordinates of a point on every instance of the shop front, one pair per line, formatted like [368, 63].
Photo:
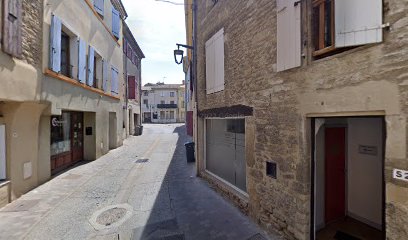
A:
[67, 140]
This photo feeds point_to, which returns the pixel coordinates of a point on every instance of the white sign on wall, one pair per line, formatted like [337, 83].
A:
[400, 174]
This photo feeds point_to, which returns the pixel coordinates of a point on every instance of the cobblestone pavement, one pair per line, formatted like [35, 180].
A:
[142, 190]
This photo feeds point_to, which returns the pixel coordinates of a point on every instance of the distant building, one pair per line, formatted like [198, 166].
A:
[162, 104]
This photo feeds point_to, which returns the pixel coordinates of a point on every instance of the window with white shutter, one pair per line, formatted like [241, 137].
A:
[214, 55]
[345, 23]
[55, 44]
[99, 6]
[288, 34]
[3, 168]
[115, 22]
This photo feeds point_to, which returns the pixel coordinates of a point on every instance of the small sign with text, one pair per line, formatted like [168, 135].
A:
[400, 175]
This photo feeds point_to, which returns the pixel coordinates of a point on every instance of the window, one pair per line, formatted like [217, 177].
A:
[162, 102]
[146, 102]
[214, 51]
[171, 114]
[145, 93]
[60, 134]
[162, 114]
[65, 60]
[323, 26]
[154, 115]
[98, 71]
[171, 94]
[171, 102]
[345, 24]
[162, 94]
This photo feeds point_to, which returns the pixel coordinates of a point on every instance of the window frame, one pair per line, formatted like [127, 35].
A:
[322, 49]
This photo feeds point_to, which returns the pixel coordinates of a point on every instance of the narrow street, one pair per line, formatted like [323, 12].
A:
[142, 190]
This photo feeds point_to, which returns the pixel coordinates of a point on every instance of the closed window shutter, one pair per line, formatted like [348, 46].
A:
[288, 35]
[55, 44]
[99, 6]
[104, 75]
[358, 22]
[219, 62]
[114, 83]
[124, 46]
[3, 168]
[82, 61]
[132, 87]
[12, 42]
[115, 22]
[215, 62]
[91, 65]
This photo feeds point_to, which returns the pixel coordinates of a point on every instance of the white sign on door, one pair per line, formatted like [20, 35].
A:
[400, 175]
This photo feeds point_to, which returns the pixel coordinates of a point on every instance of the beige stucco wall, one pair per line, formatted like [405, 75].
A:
[366, 81]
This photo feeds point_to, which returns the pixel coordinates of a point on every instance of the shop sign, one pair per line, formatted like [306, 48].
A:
[400, 174]
[57, 123]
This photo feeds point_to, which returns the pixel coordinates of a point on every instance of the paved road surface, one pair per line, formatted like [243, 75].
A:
[142, 190]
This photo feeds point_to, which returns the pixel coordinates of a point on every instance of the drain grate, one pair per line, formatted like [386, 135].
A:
[111, 216]
[144, 160]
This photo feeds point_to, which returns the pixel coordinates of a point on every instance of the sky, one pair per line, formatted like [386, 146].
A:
[157, 27]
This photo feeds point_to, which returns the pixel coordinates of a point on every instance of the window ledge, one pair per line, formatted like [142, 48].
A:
[323, 51]
[4, 183]
[90, 4]
[66, 79]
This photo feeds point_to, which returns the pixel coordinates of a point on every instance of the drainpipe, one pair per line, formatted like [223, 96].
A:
[194, 77]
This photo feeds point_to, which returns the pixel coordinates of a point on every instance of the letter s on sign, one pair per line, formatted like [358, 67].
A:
[398, 174]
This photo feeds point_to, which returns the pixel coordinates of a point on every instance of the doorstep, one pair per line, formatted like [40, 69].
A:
[5, 196]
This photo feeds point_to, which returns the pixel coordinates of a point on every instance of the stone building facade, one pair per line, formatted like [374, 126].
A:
[20, 107]
[287, 112]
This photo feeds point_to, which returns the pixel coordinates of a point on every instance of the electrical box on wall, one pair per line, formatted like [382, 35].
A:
[271, 169]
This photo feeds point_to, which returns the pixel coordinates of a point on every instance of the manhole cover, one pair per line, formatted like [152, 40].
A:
[111, 216]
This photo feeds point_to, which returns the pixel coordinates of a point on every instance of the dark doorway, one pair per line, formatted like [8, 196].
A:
[335, 163]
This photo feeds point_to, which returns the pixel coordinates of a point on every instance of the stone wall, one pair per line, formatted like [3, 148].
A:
[32, 28]
[362, 81]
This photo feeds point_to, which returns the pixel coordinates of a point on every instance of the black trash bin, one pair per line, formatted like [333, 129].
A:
[140, 129]
[190, 151]
[137, 131]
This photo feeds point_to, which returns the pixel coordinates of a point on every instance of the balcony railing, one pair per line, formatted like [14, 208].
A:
[171, 105]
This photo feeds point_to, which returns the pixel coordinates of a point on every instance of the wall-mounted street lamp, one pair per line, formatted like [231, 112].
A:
[180, 53]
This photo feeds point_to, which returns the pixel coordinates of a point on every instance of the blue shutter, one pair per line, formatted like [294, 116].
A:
[115, 22]
[55, 44]
[114, 83]
[99, 6]
[91, 63]
[82, 61]
[104, 75]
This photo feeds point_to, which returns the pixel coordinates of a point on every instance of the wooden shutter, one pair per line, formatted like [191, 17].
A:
[3, 152]
[55, 44]
[91, 65]
[288, 34]
[115, 22]
[12, 42]
[214, 50]
[358, 22]
[82, 61]
[104, 75]
[99, 6]
[115, 82]
[131, 87]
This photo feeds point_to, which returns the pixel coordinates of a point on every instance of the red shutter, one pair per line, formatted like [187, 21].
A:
[12, 43]
[131, 87]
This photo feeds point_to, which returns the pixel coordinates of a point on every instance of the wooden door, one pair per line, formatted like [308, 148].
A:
[77, 136]
[335, 180]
